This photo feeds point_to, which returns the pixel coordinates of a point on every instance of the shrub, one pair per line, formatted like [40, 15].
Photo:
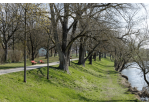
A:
[16, 56]
[1, 56]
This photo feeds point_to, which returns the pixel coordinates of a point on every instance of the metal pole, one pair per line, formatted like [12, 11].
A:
[48, 59]
[25, 39]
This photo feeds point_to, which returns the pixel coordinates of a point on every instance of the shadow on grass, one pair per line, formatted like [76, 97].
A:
[112, 72]
[136, 100]
[55, 68]
[7, 67]
[86, 99]
[39, 70]
[105, 65]
[13, 65]
[57, 77]
[82, 98]
[73, 64]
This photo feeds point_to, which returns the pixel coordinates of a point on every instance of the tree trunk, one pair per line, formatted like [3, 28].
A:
[48, 59]
[85, 53]
[110, 57]
[51, 53]
[94, 56]
[6, 53]
[90, 60]
[55, 53]
[104, 55]
[64, 55]
[144, 75]
[46, 55]
[121, 66]
[81, 54]
[64, 62]
[76, 51]
[99, 56]
[13, 47]
[33, 53]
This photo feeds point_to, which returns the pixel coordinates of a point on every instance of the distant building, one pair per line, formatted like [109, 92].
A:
[42, 52]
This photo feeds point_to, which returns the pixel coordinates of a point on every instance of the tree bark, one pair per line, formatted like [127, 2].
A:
[85, 53]
[104, 55]
[55, 53]
[81, 54]
[94, 56]
[33, 56]
[63, 57]
[51, 53]
[90, 59]
[99, 56]
[76, 51]
[48, 58]
[144, 75]
[110, 57]
[13, 45]
[6, 53]
[64, 62]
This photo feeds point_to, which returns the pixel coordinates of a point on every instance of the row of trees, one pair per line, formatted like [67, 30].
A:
[99, 28]
[95, 28]
[16, 20]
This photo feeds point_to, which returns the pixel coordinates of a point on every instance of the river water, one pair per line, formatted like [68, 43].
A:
[135, 76]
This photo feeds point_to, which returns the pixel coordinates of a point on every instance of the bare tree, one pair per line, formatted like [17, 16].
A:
[9, 24]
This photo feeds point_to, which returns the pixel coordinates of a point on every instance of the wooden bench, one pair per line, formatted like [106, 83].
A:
[33, 62]
[41, 61]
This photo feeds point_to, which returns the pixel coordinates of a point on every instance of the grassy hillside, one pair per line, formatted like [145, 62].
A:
[97, 82]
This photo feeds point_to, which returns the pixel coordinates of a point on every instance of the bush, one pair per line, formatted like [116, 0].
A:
[16, 57]
[2, 56]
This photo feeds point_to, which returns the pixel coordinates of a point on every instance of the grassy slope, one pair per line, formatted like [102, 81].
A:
[97, 82]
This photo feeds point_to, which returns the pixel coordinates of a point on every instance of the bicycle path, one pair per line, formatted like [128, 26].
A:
[6, 71]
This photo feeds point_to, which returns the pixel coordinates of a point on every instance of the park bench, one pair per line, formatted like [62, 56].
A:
[41, 61]
[33, 62]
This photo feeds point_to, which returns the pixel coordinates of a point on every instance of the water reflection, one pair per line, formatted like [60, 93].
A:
[135, 76]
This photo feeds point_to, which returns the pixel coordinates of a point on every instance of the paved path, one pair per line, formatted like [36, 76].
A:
[6, 71]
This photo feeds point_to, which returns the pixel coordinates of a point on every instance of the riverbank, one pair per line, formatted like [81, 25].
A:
[142, 95]
[93, 83]
[126, 84]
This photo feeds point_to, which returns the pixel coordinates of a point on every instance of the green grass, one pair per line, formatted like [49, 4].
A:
[93, 83]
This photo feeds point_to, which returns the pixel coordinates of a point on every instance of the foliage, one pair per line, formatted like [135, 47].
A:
[2, 56]
[15, 56]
